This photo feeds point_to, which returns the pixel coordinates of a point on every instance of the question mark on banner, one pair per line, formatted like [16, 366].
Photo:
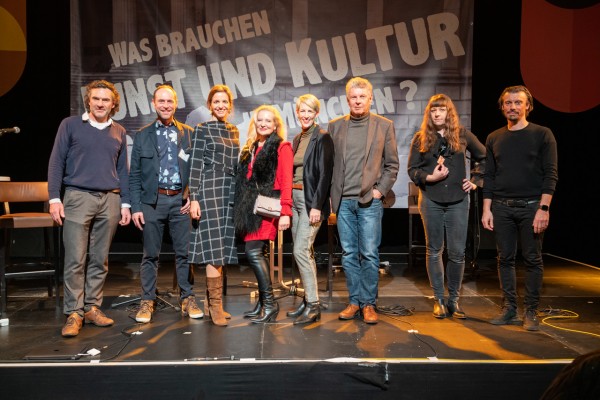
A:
[412, 89]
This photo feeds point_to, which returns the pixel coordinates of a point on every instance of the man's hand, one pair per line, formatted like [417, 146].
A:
[138, 220]
[185, 208]
[487, 219]
[314, 217]
[57, 212]
[541, 221]
[125, 216]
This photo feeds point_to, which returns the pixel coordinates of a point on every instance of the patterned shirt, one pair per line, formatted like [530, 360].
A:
[166, 139]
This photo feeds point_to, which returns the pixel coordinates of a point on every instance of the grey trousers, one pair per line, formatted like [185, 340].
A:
[91, 220]
[304, 235]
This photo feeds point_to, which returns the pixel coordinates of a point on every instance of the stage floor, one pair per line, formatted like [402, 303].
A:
[409, 355]
[569, 310]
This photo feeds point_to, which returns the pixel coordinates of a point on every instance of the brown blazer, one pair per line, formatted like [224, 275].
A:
[381, 158]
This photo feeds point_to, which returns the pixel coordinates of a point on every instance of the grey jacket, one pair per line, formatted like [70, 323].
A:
[381, 158]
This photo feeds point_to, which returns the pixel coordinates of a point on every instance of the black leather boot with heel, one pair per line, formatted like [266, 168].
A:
[269, 308]
[255, 311]
[298, 311]
[311, 313]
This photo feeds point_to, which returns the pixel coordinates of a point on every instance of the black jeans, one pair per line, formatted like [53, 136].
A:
[510, 225]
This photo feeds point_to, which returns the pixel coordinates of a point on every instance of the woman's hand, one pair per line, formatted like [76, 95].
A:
[284, 222]
[439, 173]
[195, 212]
[467, 186]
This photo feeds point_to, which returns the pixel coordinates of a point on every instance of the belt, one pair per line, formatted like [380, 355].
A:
[169, 192]
[297, 186]
[521, 203]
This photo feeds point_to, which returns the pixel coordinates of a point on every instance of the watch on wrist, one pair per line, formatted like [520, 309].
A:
[544, 207]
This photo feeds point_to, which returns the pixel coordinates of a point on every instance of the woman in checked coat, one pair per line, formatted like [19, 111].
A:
[215, 149]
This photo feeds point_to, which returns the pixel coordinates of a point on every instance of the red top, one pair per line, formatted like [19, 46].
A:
[283, 183]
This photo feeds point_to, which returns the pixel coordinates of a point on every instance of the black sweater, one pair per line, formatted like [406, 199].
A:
[520, 164]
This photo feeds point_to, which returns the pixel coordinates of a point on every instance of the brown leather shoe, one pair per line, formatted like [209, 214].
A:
[350, 312]
[369, 315]
[97, 317]
[72, 326]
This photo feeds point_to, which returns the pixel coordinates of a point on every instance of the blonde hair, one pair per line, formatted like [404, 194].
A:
[310, 100]
[280, 128]
[358, 83]
[452, 125]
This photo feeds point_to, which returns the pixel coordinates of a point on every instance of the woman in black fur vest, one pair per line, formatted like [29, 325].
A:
[265, 167]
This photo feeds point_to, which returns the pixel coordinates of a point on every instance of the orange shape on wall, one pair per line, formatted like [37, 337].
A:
[560, 55]
[13, 44]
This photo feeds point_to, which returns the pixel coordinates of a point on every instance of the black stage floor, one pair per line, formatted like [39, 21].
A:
[408, 354]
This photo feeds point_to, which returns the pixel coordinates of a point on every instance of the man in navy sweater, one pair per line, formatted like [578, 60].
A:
[89, 160]
[518, 185]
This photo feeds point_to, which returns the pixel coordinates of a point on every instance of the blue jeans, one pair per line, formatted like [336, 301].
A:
[510, 225]
[445, 223]
[359, 227]
[304, 234]
[166, 212]
[91, 221]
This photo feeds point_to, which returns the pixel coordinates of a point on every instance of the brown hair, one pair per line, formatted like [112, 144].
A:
[102, 84]
[216, 89]
[452, 126]
[518, 89]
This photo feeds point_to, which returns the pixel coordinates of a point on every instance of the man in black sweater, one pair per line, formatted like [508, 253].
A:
[518, 184]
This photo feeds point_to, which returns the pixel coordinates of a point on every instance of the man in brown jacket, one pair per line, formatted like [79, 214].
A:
[365, 169]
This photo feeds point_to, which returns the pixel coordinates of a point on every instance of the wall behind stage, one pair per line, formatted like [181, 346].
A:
[41, 98]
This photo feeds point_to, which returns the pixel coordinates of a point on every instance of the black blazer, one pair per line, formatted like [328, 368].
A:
[143, 171]
[318, 170]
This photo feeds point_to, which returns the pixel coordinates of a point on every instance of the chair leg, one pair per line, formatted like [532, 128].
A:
[57, 264]
[410, 240]
[3, 259]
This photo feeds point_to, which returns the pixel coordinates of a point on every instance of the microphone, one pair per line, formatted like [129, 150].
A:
[10, 130]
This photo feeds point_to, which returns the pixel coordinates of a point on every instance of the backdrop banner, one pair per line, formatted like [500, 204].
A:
[271, 52]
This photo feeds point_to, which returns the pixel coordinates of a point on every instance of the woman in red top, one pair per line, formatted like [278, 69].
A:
[265, 167]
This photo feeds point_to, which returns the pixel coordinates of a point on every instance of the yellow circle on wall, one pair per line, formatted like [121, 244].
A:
[13, 51]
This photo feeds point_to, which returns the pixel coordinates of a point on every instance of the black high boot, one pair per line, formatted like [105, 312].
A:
[312, 313]
[260, 265]
[298, 311]
[254, 312]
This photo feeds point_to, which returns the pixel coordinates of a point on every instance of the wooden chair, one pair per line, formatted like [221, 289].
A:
[48, 266]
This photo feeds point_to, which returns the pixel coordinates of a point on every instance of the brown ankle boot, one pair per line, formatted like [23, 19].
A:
[225, 313]
[215, 301]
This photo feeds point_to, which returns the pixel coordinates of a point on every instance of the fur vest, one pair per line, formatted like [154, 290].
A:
[262, 180]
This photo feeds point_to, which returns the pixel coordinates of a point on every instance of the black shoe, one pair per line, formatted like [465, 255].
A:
[531, 321]
[255, 312]
[312, 313]
[439, 309]
[269, 313]
[298, 311]
[508, 316]
[455, 311]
